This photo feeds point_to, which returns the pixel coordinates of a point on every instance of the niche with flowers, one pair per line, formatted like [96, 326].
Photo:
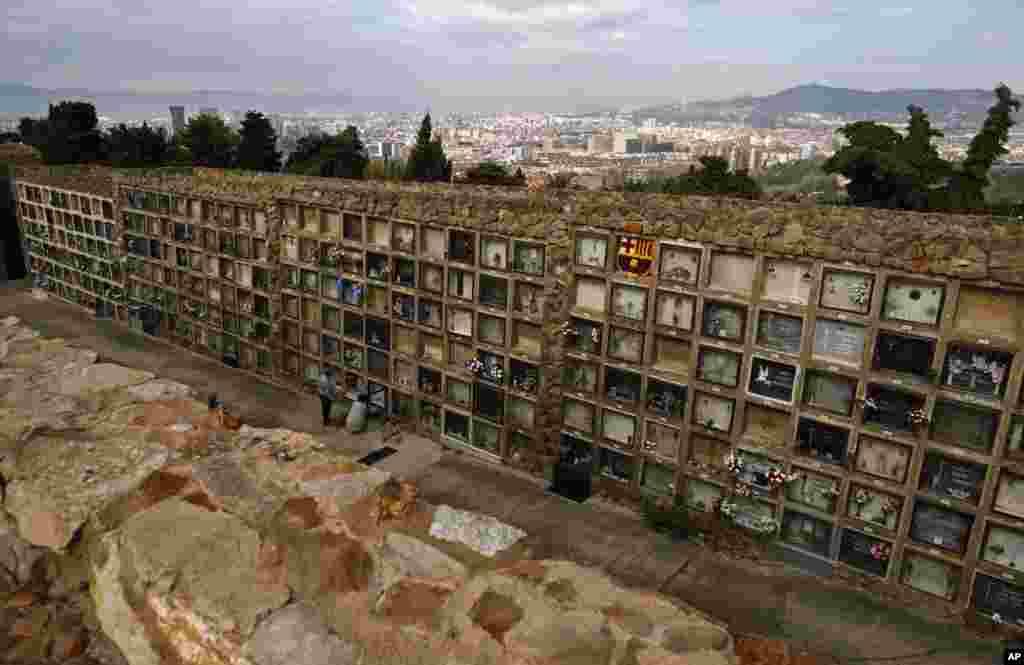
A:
[847, 291]
[871, 505]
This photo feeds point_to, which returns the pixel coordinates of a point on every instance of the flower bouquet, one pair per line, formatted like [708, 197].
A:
[734, 463]
[778, 478]
[881, 551]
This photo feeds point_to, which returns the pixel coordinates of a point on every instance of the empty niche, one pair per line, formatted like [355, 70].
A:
[590, 295]
[674, 310]
[884, 459]
[732, 272]
[764, 427]
[847, 291]
[987, 312]
[931, 576]
[838, 341]
[787, 281]
[914, 302]
[679, 264]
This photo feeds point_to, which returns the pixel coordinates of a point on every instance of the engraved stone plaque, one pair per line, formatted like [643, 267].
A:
[822, 442]
[814, 490]
[1004, 547]
[1010, 495]
[944, 476]
[913, 302]
[847, 291]
[932, 576]
[906, 355]
[592, 251]
[674, 310]
[779, 332]
[856, 549]
[941, 528]
[787, 281]
[772, 380]
[702, 496]
[719, 366]
[885, 459]
[680, 264]
[958, 424]
[714, 413]
[830, 392]
[839, 342]
[724, 321]
[732, 272]
[807, 532]
[870, 505]
[764, 427]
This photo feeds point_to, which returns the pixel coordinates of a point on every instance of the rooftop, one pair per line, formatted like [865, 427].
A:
[90, 179]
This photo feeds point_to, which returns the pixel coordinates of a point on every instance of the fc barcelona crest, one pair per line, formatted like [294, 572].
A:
[636, 256]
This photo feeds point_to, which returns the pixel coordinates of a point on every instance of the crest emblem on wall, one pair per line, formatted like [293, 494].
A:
[636, 256]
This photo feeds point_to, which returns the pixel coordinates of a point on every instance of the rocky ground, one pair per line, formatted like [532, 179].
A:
[137, 527]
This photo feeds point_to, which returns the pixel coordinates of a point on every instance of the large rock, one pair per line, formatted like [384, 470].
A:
[296, 635]
[481, 533]
[161, 389]
[17, 556]
[184, 580]
[96, 378]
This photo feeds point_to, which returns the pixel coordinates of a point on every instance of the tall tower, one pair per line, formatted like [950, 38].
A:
[177, 118]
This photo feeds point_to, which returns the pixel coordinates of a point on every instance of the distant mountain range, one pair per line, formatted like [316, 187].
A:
[969, 106]
[18, 99]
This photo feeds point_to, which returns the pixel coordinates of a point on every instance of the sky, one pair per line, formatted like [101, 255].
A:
[512, 54]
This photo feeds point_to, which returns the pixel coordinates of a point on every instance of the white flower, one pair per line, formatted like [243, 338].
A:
[996, 618]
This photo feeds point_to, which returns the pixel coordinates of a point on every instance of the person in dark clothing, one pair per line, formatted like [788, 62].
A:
[328, 393]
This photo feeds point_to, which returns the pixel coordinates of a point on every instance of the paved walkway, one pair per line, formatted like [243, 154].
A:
[845, 625]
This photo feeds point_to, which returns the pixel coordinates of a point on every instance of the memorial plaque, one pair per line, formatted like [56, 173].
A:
[433, 242]
[962, 425]
[847, 291]
[986, 312]
[714, 413]
[662, 441]
[938, 527]
[885, 459]
[709, 452]
[1004, 547]
[591, 251]
[779, 332]
[980, 371]
[622, 386]
[1015, 438]
[931, 576]
[494, 253]
[724, 321]
[772, 380]
[864, 552]
[619, 427]
[948, 477]
[839, 342]
[626, 344]
[807, 533]
[586, 336]
[580, 376]
[787, 281]
[732, 272]
[680, 264]
[675, 310]
[815, 490]
[702, 496]
[665, 400]
[890, 408]
[629, 302]
[898, 353]
[590, 295]
[995, 596]
[870, 505]
[1010, 495]
[912, 301]
[764, 427]
[671, 355]
[830, 392]
[718, 366]
[578, 415]
[822, 442]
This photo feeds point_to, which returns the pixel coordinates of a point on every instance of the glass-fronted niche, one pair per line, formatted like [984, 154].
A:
[679, 264]
[884, 459]
[779, 332]
[908, 356]
[807, 532]
[847, 291]
[914, 302]
[976, 370]
[1003, 547]
[959, 424]
[929, 575]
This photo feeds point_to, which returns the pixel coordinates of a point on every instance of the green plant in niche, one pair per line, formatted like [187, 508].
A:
[997, 549]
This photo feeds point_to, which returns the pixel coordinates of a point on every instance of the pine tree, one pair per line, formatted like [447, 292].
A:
[428, 163]
[257, 150]
[208, 141]
[967, 186]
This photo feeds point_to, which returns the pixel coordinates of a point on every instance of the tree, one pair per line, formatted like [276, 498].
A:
[967, 185]
[137, 147]
[257, 150]
[71, 135]
[712, 179]
[493, 173]
[385, 169]
[10, 137]
[877, 176]
[428, 163]
[33, 131]
[340, 156]
[207, 141]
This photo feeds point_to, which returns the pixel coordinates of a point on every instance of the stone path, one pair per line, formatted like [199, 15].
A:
[765, 599]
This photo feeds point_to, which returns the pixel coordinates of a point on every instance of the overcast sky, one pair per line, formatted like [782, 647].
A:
[514, 54]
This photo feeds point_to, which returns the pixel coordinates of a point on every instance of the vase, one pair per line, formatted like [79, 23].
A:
[355, 422]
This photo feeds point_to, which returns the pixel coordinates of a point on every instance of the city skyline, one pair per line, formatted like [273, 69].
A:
[513, 54]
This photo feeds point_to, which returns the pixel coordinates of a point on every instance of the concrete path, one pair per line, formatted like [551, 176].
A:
[844, 625]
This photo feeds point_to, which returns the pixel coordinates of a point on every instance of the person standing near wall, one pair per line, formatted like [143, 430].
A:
[328, 393]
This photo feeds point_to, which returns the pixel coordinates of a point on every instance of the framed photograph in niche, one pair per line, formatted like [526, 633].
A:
[963, 425]
[940, 527]
[787, 281]
[629, 302]
[494, 252]
[679, 264]
[618, 427]
[764, 427]
[719, 366]
[884, 459]
[814, 490]
[976, 370]
[931, 576]
[807, 533]
[702, 496]
[861, 551]
[846, 291]
[871, 505]
[635, 256]
[622, 386]
[1010, 495]
[662, 441]
[724, 321]
[914, 302]
[731, 272]
[840, 342]
[432, 277]
[992, 595]
[403, 238]
[674, 310]
[590, 295]
[772, 380]
[626, 344]
[822, 442]
[985, 312]
[779, 332]
[592, 251]
[528, 258]
[892, 409]
[949, 477]
[904, 355]
[713, 413]
[578, 415]
[1003, 547]
[829, 392]
[665, 400]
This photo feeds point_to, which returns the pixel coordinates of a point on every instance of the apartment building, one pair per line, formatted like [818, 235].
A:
[825, 377]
